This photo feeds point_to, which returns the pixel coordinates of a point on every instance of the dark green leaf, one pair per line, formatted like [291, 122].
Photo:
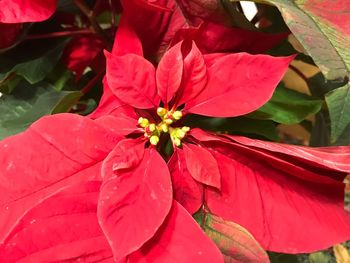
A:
[287, 107]
[28, 103]
[338, 102]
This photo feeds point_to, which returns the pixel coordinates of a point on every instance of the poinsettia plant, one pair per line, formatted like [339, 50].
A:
[173, 131]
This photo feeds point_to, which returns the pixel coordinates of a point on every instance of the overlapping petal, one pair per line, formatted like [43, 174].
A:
[62, 228]
[133, 201]
[55, 152]
[180, 239]
[257, 190]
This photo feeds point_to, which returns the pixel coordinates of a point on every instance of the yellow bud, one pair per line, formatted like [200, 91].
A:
[168, 121]
[185, 129]
[164, 127]
[161, 111]
[177, 115]
[176, 141]
[154, 140]
[152, 127]
[180, 133]
[143, 122]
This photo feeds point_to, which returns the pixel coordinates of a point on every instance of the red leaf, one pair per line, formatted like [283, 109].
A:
[59, 151]
[254, 80]
[283, 212]
[17, 11]
[120, 126]
[134, 203]
[187, 191]
[132, 79]
[195, 75]
[80, 53]
[126, 155]
[180, 239]
[126, 40]
[202, 165]
[169, 73]
[62, 228]
[235, 242]
[328, 158]
[163, 19]
[111, 105]
[211, 37]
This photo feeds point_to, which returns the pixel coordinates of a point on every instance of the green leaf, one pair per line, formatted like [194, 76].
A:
[234, 241]
[32, 62]
[319, 257]
[28, 103]
[338, 102]
[287, 107]
[283, 258]
[326, 41]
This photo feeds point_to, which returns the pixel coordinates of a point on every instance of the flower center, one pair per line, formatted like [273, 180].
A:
[153, 131]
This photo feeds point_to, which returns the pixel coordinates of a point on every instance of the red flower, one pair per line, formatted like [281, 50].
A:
[215, 172]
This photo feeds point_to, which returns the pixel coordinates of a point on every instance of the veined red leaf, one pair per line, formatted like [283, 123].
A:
[202, 165]
[120, 125]
[169, 73]
[293, 162]
[60, 150]
[180, 239]
[132, 79]
[17, 11]
[62, 228]
[187, 191]
[227, 95]
[195, 75]
[234, 241]
[134, 203]
[255, 194]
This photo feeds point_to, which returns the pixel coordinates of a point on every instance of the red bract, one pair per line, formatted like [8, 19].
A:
[20, 11]
[226, 168]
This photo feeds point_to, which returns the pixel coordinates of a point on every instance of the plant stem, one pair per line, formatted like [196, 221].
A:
[300, 74]
[60, 34]
[84, 8]
[92, 82]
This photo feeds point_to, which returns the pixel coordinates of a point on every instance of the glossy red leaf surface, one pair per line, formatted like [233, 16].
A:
[169, 73]
[62, 228]
[73, 147]
[201, 164]
[236, 77]
[80, 53]
[134, 202]
[180, 239]
[17, 11]
[119, 125]
[283, 212]
[132, 79]
[195, 75]
[187, 191]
